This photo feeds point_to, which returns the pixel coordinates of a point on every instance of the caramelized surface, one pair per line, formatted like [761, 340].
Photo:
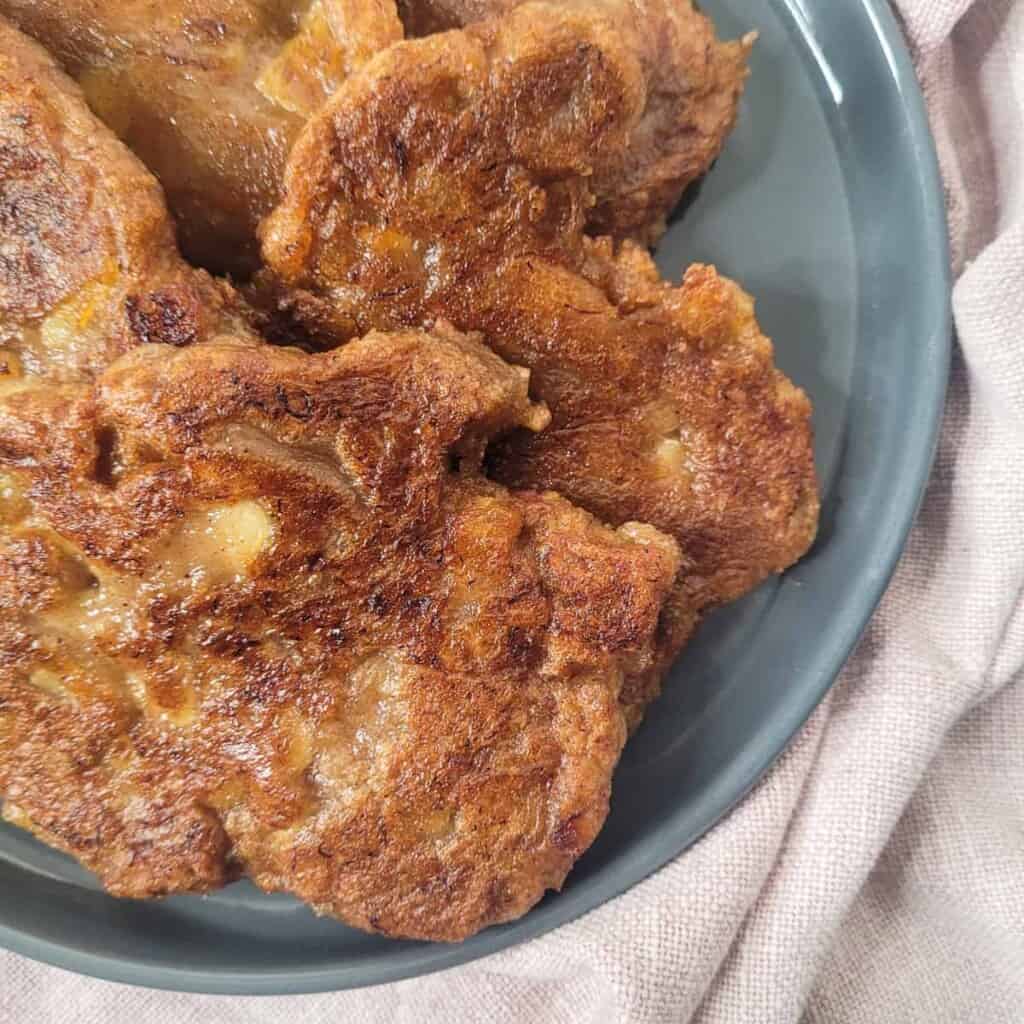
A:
[452, 178]
[210, 93]
[692, 84]
[89, 267]
[211, 96]
[259, 611]
[254, 620]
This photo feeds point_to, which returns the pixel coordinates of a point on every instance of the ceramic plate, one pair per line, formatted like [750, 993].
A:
[827, 206]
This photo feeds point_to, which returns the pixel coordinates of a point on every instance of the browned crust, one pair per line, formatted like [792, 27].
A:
[210, 93]
[89, 267]
[692, 87]
[402, 706]
[452, 177]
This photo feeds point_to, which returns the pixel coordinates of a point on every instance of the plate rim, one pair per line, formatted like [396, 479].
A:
[426, 958]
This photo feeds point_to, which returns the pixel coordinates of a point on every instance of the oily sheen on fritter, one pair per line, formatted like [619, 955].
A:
[261, 614]
[259, 611]
[210, 93]
[88, 264]
[452, 177]
[691, 85]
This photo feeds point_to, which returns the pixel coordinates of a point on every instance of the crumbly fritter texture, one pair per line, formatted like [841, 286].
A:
[88, 264]
[692, 87]
[261, 614]
[210, 93]
[452, 178]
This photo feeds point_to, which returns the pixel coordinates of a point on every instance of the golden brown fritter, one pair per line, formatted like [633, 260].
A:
[88, 264]
[692, 87]
[210, 93]
[452, 178]
[260, 613]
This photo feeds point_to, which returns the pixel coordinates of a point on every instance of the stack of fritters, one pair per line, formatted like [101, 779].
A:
[273, 611]
[453, 178]
[210, 94]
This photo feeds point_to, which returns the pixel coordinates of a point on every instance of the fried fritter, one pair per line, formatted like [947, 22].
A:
[260, 613]
[210, 93]
[692, 87]
[452, 178]
[88, 264]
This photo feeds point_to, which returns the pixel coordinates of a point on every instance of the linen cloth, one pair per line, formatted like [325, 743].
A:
[877, 873]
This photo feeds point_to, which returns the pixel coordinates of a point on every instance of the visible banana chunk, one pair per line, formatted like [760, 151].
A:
[240, 533]
[669, 456]
[73, 325]
[16, 816]
[178, 705]
[49, 682]
[220, 542]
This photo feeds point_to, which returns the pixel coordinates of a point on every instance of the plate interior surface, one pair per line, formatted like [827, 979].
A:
[827, 207]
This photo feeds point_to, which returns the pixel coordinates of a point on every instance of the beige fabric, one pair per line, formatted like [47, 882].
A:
[877, 874]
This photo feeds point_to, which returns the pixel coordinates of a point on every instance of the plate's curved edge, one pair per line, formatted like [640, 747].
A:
[939, 345]
[730, 788]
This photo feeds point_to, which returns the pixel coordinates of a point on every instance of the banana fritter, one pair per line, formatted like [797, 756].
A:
[260, 613]
[692, 85]
[452, 177]
[210, 93]
[88, 264]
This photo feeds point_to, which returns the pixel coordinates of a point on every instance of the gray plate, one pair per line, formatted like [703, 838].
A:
[827, 206]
